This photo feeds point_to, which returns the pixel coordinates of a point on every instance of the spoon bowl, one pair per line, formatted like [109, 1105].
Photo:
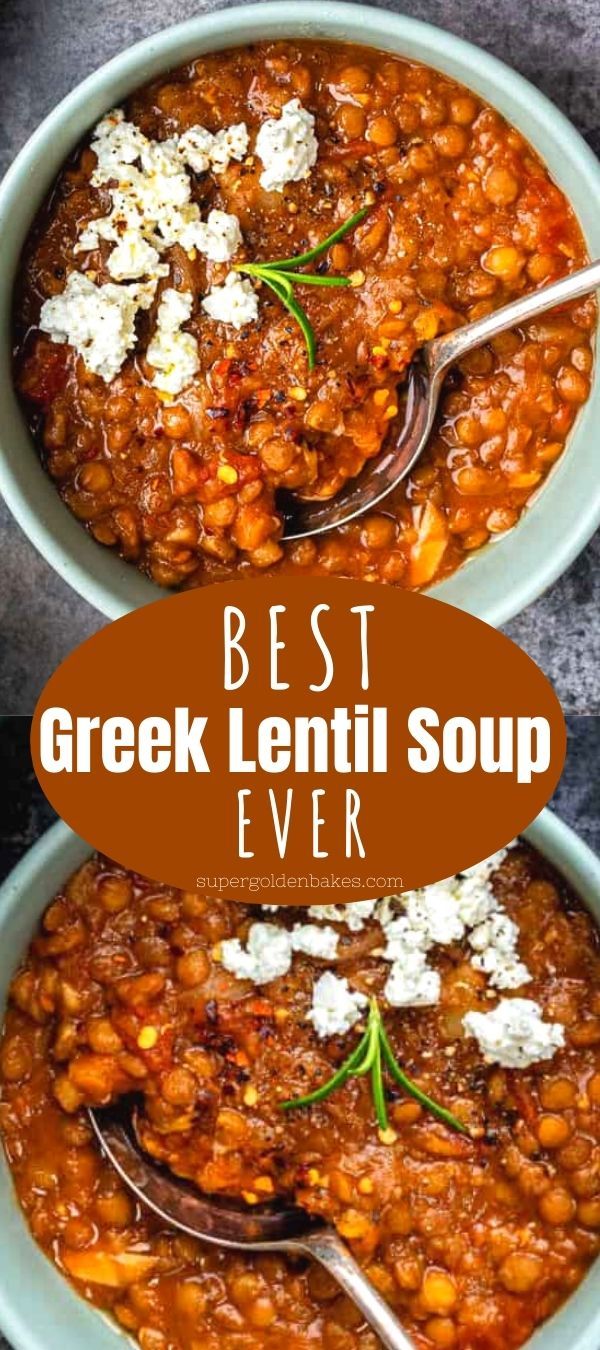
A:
[420, 395]
[270, 1227]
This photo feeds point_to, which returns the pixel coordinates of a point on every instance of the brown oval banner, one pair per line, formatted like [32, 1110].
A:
[298, 741]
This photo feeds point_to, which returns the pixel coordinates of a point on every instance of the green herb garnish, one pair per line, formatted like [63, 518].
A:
[282, 275]
[371, 1056]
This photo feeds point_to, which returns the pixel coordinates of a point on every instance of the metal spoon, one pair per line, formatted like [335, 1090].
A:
[421, 391]
[264, 1228]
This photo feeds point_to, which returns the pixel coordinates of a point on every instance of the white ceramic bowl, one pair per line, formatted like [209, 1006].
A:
[38, 1308]
[496, 582]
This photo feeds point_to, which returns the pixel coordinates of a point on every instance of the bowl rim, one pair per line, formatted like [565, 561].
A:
[42, 869]
[535, 555]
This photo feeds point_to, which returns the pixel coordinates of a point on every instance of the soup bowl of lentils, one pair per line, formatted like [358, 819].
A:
[471, 1196]
[222, 253]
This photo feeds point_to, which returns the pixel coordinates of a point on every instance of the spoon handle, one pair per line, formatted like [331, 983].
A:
[443, 351]
[325, 1246]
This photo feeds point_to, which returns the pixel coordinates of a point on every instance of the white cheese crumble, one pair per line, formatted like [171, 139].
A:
[152, 209]
[514, 1033]
[411, 982]
[142, 198]
[441, 914]
[134, 257]
[203, 150]
[267, 955]
[354, 914]
[115, 143]
[495, 943]
[219, 237]
[98, 321]
[270, 948]
[235, 302]
[412, 985]
[475, 900]
[315, 939]
[433, 913]
[172, 353]
[154, 200]
[335, 1007]
[287, 147]
[417, 921]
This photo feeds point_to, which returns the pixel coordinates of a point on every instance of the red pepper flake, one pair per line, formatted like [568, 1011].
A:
[379, 361]
[260, 1007]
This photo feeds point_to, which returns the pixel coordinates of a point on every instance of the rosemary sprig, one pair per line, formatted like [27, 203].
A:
[372, 1054]
[282, 275]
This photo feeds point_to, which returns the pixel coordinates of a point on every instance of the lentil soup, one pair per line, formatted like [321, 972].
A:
[171, 392]
[214, 1014]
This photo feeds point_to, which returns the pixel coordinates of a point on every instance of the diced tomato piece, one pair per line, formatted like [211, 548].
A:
[351, 150]
[188, 473]
[44, 372]
[524, 1100]
[248, 467]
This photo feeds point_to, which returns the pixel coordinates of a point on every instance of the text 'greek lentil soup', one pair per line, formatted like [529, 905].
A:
[172, 392]
[468, 1186]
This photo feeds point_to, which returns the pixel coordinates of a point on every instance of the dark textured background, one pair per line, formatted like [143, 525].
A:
[46, 47]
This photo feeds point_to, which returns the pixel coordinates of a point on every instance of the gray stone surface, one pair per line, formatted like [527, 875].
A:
[46, 47]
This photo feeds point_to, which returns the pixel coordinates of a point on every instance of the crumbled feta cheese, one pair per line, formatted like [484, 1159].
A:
[175, 309]
[498, 930]
[442, 914]
[203, 151]
[228, 143]
[434, 913]
[134, 257]
[413, 924]
[287, 147]
[430, 918]
[495, 943]
[140, 196]
[151, 196]
[482, 871]
[160, 160]
[235, 302]
[116, 143]
[404, 937]
[354, 915]
[98, 321]
[270, 948]
[315, 940]
[411, 981]
[172, 353]
[267, 955]
[151, 210]
[474, 901]
[412, 985]
[335, 1007]
[514, 1033]
[219, 237]
[195, 147]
